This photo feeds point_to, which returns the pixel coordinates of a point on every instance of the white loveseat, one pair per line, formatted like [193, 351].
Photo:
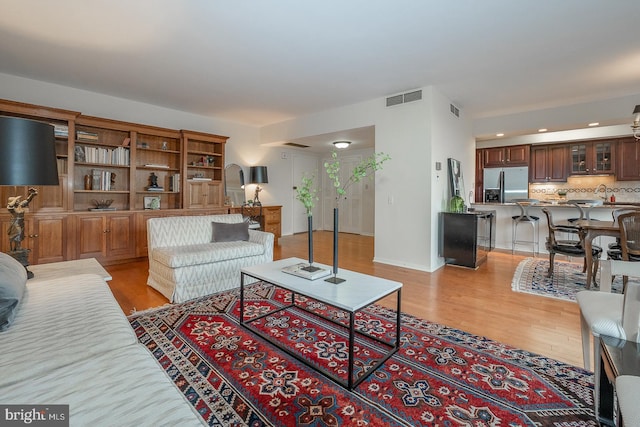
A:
[67, 342]
[187, 260]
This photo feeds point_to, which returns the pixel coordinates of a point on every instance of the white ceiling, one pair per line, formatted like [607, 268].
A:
[264, 62]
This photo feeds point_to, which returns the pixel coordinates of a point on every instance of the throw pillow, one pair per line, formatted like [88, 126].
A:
[225, 232]
[13, 280]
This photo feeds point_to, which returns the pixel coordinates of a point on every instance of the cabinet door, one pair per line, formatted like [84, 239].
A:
[479, 186]
[628, 164]
[90, 238]
[557, 163]
[517, 155]
[603, 156]
[494, 157]
[538, 167]
[119, 236]
[49, 237]
[196, 194]
[578, 165]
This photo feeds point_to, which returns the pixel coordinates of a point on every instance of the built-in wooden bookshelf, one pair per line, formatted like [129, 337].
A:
[102, 160]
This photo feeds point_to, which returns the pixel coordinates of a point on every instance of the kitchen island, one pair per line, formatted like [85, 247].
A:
[560, 210]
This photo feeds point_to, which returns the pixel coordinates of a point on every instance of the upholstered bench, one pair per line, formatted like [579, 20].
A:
[193, 256]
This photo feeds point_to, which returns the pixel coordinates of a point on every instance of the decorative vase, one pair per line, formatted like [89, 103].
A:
[310, 268]
[335, 278]
[456, 204]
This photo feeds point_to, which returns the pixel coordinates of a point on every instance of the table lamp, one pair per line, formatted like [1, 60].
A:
[27, 157]
[258, 175]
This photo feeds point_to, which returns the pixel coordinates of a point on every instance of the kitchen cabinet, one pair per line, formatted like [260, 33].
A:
[628, 156]
[549, 163]
[479, 185]
[515, 155]
[467, 237]
[592, 157]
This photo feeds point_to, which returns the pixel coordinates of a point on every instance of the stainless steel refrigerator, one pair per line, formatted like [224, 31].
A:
[505, 184]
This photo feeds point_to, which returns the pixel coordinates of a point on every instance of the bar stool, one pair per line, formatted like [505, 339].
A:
[525, 218]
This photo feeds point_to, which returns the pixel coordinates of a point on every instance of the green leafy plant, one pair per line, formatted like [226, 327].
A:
[306, 193]
[366, 168]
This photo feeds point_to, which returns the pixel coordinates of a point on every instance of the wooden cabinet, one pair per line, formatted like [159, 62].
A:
[106, 237]
[204, 169]
[270, 221]
[628, 156]
[48, 239]
[204, 194]
[592, 157]
[549, 163]
[479, 185]
[515, 155]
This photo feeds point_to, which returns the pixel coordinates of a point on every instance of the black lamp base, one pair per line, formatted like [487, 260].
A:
[22, 256]
[335, 280]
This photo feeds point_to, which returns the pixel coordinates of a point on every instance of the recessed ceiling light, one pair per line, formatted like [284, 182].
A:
[594, 124]
[542, 130]
[341, 144]
[499, 134]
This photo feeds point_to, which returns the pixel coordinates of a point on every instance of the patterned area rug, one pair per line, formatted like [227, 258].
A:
[440, 376]
[568, 279]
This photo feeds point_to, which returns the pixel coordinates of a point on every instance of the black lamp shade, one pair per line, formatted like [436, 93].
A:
[636, 110]
[27, 152]
[258, 175]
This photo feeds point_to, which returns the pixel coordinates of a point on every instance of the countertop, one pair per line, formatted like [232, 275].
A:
[563, 204]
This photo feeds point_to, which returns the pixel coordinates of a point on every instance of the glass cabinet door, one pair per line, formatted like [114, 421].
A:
[579, 159]
[603, 159]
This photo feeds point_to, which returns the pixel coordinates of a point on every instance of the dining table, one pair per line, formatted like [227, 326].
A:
[593, 228]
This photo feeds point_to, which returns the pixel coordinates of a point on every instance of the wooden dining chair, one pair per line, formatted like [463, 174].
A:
[571, 248]
[603, 313]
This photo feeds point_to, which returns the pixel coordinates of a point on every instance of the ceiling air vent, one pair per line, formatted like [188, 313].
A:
[293, 144]
[454, 110]
[416, 95]
[394, 100]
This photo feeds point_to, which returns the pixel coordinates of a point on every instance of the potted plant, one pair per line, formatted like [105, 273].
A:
[306, 193]
[366, 168]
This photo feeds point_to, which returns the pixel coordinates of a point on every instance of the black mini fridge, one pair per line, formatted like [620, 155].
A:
[467, 237]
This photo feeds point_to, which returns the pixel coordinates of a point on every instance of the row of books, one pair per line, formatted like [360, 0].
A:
[60, 130]
[174, 183]
[62, 166]
[101, 180]
[108, 156]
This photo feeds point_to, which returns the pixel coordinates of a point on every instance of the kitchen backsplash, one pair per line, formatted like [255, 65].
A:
[584, 187]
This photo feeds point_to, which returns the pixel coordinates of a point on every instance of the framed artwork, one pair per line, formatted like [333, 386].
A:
[152, 202]
[456, 182]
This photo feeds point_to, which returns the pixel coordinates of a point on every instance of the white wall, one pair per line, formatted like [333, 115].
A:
[408, 195]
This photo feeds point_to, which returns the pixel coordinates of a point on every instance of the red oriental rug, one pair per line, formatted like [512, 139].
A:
[439, 377]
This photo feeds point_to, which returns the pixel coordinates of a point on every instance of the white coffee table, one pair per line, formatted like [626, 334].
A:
[357, 292]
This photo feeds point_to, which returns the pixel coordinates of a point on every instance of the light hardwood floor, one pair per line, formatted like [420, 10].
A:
[477, 301]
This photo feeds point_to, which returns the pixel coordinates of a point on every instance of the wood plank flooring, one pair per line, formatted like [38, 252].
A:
[477, 301]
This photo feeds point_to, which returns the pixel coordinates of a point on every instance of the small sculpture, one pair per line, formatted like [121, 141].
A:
[153, 180]
[17, 208]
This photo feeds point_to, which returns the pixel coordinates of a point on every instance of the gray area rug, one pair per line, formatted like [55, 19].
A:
[568, 279]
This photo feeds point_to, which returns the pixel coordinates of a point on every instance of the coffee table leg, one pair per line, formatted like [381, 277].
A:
[351, 342]
[242, 298]
[398, 331]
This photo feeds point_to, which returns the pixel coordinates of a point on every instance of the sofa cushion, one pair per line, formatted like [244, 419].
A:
[226, 232]
[59, 322]
[206, 253]
[13, 280]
